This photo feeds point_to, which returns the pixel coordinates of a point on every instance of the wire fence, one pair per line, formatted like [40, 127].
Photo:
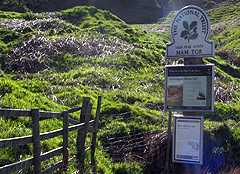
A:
[149, 148]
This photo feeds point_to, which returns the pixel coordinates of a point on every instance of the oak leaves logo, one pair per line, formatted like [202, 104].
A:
[190, 32]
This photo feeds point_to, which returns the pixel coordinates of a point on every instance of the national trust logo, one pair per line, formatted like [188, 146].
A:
[190, 32]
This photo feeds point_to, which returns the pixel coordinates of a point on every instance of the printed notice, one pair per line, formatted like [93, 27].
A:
[187, 91]
[195, 91]
[175, 91]
[189, 88]
[188, 137]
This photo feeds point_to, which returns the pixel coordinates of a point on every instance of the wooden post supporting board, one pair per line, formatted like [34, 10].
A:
[194, 169]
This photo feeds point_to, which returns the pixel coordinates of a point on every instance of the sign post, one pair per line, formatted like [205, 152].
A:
[189, 87]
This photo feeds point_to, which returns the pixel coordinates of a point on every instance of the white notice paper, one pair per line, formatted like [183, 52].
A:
[188, 139]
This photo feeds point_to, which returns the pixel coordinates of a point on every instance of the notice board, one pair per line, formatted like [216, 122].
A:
[188, 140]
[189, 88]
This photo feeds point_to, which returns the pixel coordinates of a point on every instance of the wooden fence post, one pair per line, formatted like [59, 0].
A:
[65, 140]
[36, 141]
[81, 137]
[94, 135]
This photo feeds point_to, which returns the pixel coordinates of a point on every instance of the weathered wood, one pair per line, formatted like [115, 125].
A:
[14, 113]
[36, 141]
[84, 118]
[52, 169]
[51, 134]
[16, 166]
[16, 141]
[193, 61]
[65, 141]
[58, 132]
[75, 109]
[17, 153]
[81, 126]
[44, 114]
[94, 136]
[52, 153]
[73, 121]
[91, 128]
[84, 126]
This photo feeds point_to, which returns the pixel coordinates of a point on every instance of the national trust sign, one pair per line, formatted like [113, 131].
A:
[190, 30]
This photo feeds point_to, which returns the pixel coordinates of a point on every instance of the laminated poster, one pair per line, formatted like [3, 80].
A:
[187, 91]
[188, 140]
[189, 88]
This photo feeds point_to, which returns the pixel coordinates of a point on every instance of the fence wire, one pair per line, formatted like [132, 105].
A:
[149, 148]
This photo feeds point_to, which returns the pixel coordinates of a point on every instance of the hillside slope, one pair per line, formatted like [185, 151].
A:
[52, 60]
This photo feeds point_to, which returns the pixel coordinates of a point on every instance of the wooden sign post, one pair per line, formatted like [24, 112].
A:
[189, 87]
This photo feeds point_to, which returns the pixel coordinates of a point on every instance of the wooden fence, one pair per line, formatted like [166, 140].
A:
[83, 126]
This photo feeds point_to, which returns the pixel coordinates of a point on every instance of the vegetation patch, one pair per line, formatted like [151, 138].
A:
[38, 53]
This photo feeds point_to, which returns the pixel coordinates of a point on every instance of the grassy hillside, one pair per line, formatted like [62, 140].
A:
[52, 60]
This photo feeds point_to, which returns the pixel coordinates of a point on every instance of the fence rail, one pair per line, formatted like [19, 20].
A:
[83, 126]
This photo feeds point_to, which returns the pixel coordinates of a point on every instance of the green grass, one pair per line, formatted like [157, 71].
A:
[15, 96]
[130, 82]
[11, 15]
[225, 12]
[127, 168]
[8, 39]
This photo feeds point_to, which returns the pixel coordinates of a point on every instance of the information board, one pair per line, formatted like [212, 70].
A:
[188, 140]
[189, 88]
